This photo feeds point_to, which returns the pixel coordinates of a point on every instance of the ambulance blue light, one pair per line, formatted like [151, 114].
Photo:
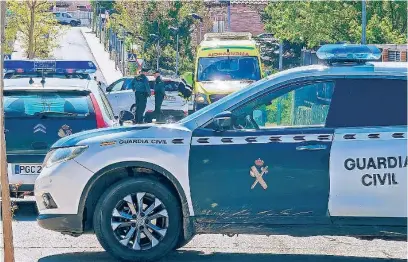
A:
[348, 53]
[57, 66]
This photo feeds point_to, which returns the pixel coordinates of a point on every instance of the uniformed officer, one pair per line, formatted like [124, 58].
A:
[142, 92]
[159, 93]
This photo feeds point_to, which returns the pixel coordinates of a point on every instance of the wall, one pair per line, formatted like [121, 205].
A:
[245, 18]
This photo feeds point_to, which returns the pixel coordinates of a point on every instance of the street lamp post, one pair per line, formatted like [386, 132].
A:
[176, 30]
[156, 37]
[199, 18]
[363, 22]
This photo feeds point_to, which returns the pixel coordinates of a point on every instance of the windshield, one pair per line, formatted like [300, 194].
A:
[49, 104]
[228, 68]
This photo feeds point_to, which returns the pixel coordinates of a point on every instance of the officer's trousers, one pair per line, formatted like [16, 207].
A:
[141, 100]
[158, 101]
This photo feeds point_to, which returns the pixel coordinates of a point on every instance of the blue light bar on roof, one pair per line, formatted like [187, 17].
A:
[57, 66]
[348, 53]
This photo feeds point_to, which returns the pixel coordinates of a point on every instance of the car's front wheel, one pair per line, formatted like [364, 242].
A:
[73, 23]
[138, 219]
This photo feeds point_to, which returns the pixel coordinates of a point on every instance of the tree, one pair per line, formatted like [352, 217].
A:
[37, 26]
[317, 22]
[144, 18]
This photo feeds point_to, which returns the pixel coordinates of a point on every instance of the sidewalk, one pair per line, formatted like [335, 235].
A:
[104, 63]
[18, 52]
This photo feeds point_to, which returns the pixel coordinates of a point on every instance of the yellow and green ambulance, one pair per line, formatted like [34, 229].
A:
[225, 63]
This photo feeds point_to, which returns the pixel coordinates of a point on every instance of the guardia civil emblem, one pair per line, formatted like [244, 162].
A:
[258, 171]
[64, 131]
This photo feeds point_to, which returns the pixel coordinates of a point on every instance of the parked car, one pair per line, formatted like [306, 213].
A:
[174, 107]
[65, 18]
[317, 150]
[39, 111]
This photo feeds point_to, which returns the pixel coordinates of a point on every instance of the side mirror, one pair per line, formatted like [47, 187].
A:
[108, 89]
[222, 121]
[125, 116]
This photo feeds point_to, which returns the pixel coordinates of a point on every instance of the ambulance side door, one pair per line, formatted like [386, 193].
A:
[368, 159]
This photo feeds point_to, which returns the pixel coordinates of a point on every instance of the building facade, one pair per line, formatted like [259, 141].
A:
[235, 16]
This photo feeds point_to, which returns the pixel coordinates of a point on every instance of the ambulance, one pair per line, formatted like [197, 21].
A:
[226, 62]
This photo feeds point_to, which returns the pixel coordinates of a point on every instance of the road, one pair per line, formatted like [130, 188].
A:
[72, 46]
[33, 243]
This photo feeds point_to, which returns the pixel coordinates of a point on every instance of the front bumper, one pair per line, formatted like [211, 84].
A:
[64, 182]
[68, 224]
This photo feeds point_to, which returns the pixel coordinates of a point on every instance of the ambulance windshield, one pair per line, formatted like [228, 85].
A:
[228, 68]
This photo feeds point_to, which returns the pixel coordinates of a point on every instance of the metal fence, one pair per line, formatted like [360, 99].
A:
[114, 43]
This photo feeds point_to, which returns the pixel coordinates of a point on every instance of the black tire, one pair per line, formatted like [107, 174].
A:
[108, 201]
[73, 23]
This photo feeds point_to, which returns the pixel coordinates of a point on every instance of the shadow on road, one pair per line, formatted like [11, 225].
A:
[192, 256]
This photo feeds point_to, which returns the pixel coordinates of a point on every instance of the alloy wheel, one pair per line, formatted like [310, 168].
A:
[140, 221]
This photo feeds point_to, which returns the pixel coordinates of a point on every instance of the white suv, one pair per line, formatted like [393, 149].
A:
[308, 151]
[65, 18]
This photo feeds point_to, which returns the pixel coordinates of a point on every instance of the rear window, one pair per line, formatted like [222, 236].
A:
[51, 104]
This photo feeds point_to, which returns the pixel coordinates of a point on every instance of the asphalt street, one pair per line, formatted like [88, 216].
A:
[73, 46]
[33, 243]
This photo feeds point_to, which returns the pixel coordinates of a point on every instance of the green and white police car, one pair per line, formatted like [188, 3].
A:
[309, 151]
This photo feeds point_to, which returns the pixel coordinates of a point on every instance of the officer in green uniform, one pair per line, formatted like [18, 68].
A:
[142, 92]
[159, 93]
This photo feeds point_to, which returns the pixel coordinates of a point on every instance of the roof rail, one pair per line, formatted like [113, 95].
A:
[228, 36]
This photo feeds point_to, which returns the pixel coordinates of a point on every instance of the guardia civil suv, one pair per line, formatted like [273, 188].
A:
[309, 151]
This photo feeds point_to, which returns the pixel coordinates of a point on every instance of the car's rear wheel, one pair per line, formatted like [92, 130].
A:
[138, 219]
[73, 23]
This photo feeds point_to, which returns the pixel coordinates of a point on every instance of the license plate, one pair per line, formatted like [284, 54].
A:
[27, 169]
[169, 98]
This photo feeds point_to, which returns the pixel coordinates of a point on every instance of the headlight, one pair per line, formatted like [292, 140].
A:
[201, 98]
[63, 154]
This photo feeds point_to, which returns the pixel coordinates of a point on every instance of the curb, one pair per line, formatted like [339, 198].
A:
[93, 54]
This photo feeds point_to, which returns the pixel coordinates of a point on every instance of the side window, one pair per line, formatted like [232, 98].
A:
[304, 105]
[118, 86]
[368, 102]
[128, 84]
[64, 15]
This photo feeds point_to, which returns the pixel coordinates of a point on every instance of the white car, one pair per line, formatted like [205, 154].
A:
[122, 98]
[65, 18]
[318, 150]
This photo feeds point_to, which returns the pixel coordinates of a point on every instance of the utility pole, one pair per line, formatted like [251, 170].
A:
[176, 30]
[5, 190]
[177, 51]
[364, 21]
[158, 53]
[280, 55]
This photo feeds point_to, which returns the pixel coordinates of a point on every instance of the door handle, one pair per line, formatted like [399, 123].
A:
[311, 147]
